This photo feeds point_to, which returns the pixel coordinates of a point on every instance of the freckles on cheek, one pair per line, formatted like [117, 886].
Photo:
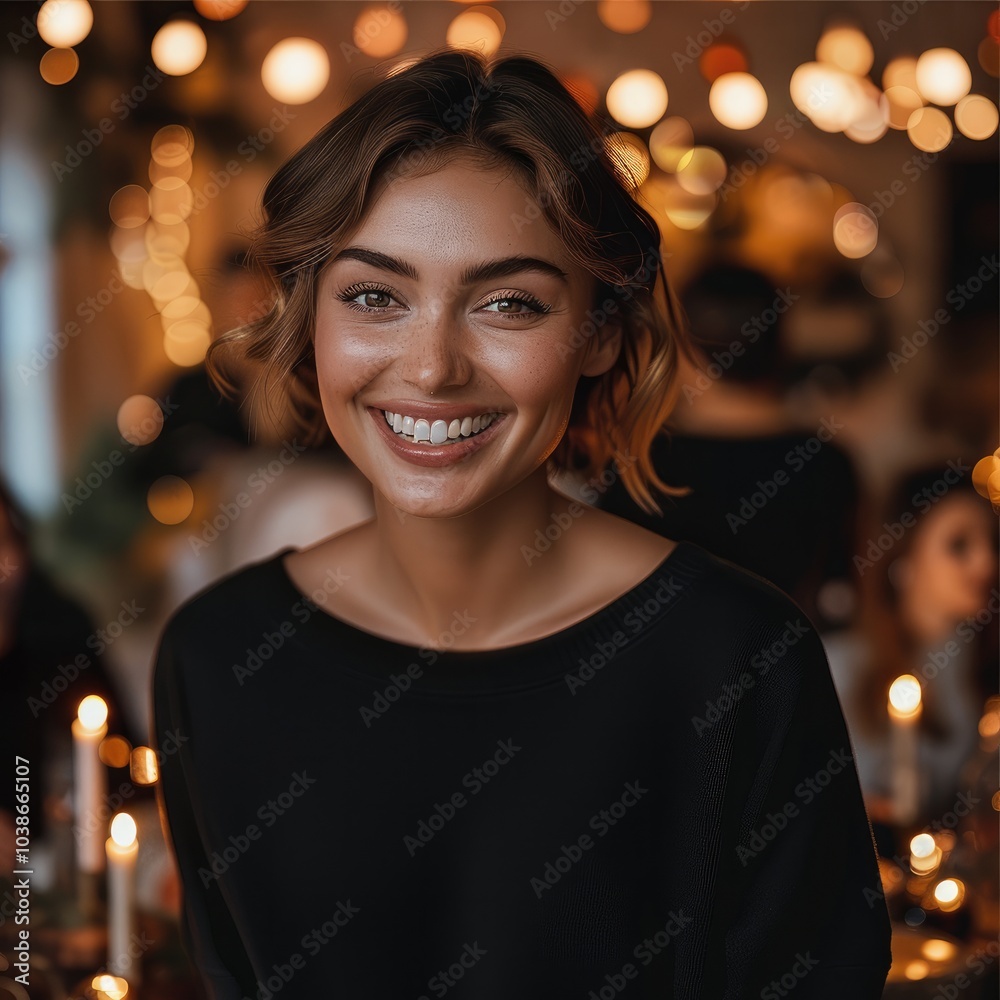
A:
[346, 362]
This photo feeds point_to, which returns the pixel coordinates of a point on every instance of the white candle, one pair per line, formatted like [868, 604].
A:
[89, 782]
[904, 713]
[122, 849]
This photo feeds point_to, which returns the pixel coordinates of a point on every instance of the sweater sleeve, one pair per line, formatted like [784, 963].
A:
[207, 929]
[800, 899]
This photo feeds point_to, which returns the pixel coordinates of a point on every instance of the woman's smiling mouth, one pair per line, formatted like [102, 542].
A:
[439, 441]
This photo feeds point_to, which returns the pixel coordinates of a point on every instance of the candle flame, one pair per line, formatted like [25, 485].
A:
[922, 845]
[949, 893]
[110, 987]
[92, 713]
[904, 696]
[123, 830]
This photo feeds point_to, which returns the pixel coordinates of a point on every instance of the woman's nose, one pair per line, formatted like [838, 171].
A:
[435, 355]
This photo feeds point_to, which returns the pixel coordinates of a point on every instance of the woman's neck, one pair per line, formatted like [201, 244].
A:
[492, 564]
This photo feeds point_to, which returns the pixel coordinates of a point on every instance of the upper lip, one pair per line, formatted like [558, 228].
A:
[433, 411]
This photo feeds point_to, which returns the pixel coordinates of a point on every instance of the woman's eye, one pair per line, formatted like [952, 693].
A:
[515, 305]
[372, 299]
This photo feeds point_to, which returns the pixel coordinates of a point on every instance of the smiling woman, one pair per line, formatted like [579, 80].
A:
[468, 303]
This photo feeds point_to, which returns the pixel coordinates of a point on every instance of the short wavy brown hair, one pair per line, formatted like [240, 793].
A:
[514, 112]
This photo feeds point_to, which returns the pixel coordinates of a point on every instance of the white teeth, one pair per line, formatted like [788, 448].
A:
[440, 431]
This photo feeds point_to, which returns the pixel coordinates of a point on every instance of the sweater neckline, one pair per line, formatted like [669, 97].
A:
[546, 659]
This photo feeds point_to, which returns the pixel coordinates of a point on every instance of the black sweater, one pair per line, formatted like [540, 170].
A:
[659, 798]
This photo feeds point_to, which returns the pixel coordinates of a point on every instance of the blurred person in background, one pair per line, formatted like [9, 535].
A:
[51, 657]
[930, 607]
[765, 494]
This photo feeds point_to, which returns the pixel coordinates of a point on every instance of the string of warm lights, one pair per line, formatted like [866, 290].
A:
[834, 92]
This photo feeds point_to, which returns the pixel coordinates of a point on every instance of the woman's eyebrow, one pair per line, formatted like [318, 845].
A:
[486, 271]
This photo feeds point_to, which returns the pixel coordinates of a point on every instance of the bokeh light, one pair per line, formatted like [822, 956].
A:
[170, 500]
[855, 230]
[380, 31]
[669, 141]
[701, 170]
[976, 116]
[625, 16]
[474, 30]
[898, 103]
[179, 47]
[220, 10]
[943, 76]
[738, 100]
[140, 419]
[831, 98]
[296, 70]
[115, 751]
[929, 129]
[64, 23]
[722, 57]
[846, 47]
[59, 66]
[637, 98]
[129, 206]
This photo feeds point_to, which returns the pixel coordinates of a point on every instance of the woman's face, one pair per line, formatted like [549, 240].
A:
[953, 561]
[424, 313]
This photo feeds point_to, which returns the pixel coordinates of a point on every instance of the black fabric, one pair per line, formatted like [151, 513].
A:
[696, 711]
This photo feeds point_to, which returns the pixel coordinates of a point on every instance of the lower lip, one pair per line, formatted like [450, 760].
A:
[434, 455]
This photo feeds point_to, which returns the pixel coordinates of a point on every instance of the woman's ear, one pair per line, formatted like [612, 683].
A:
[603, 348]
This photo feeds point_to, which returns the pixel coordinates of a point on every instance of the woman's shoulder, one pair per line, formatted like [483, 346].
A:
[241, 600]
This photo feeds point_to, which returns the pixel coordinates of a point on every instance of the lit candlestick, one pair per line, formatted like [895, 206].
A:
[89, 781]
[925, 855]
[904, 713]
[122, 850]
